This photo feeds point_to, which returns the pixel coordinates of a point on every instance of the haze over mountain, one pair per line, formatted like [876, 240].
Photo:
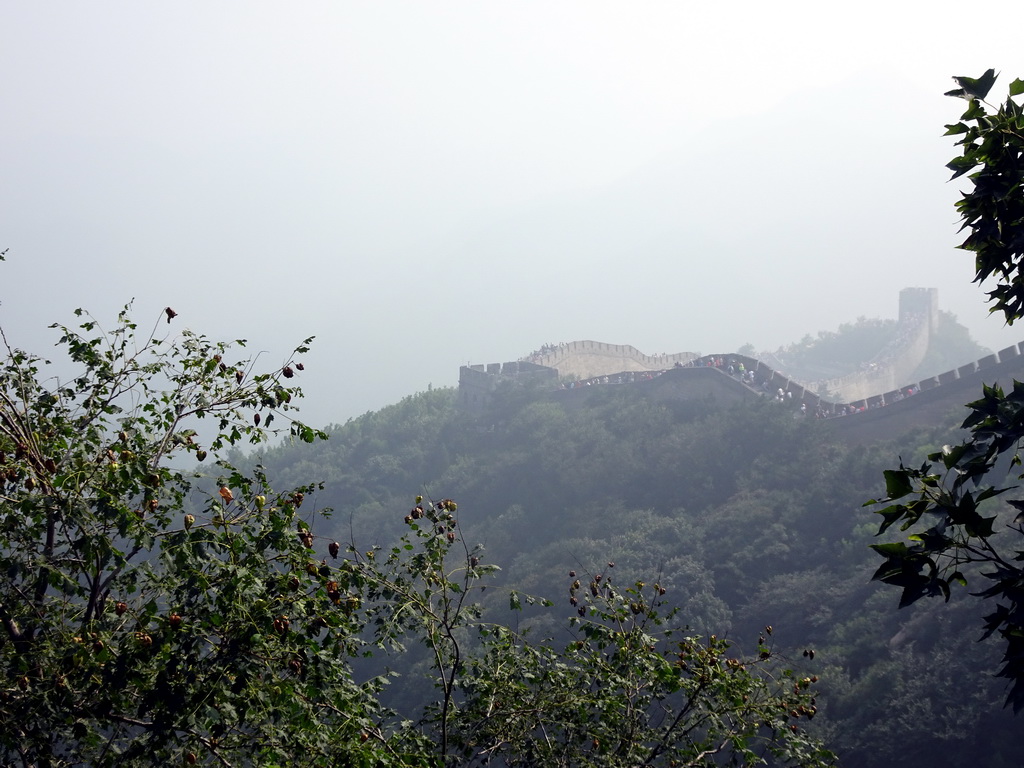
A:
[426, 185]
[746, 511]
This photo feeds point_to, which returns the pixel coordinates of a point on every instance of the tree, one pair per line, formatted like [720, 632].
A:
[953, 531]
[632, 687]
[993, 210]
[151, 615]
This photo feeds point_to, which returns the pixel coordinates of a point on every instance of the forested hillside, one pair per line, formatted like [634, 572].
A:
[747, 515]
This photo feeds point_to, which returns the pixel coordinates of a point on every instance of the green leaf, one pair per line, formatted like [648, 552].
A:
[890, 515]
[974, 88]
[893, 549]
[980, 527]
[897, 483]
[960, 166]
[1017, 87]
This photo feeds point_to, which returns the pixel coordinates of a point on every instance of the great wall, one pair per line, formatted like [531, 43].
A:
[880, 401]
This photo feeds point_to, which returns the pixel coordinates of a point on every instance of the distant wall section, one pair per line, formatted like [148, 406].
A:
[896, 363]
[935, 399]
[862, 419]
[586, 359]
[888, 380]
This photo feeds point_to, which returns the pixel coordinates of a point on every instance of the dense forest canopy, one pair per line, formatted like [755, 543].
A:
[951, 536]
[747, 515]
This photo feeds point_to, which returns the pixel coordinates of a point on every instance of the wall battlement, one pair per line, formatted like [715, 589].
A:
[585, 359]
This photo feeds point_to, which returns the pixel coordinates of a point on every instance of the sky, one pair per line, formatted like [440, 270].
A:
[422, 185]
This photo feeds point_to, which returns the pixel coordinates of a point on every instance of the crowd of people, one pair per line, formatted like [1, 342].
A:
[626, 377]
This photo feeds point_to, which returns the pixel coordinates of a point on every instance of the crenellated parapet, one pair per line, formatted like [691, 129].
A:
[887, 379]
[586, 359]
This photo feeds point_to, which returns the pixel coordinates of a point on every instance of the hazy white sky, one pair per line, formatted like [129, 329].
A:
[422, 184]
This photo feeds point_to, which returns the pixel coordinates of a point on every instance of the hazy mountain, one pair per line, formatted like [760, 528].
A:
[746, 514]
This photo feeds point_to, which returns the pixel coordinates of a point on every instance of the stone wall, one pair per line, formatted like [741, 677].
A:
[888, 381]
[881, 415]
[896, 363]
[586, 359]
[939, 399]
[890, 369]
[876, 416]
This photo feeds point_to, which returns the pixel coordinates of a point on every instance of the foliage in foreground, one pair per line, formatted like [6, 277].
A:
[137, 631]
[631, 688]
[951, 532]
[150, 615]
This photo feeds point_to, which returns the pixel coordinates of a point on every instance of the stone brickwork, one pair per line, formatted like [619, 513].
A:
[587, 359]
